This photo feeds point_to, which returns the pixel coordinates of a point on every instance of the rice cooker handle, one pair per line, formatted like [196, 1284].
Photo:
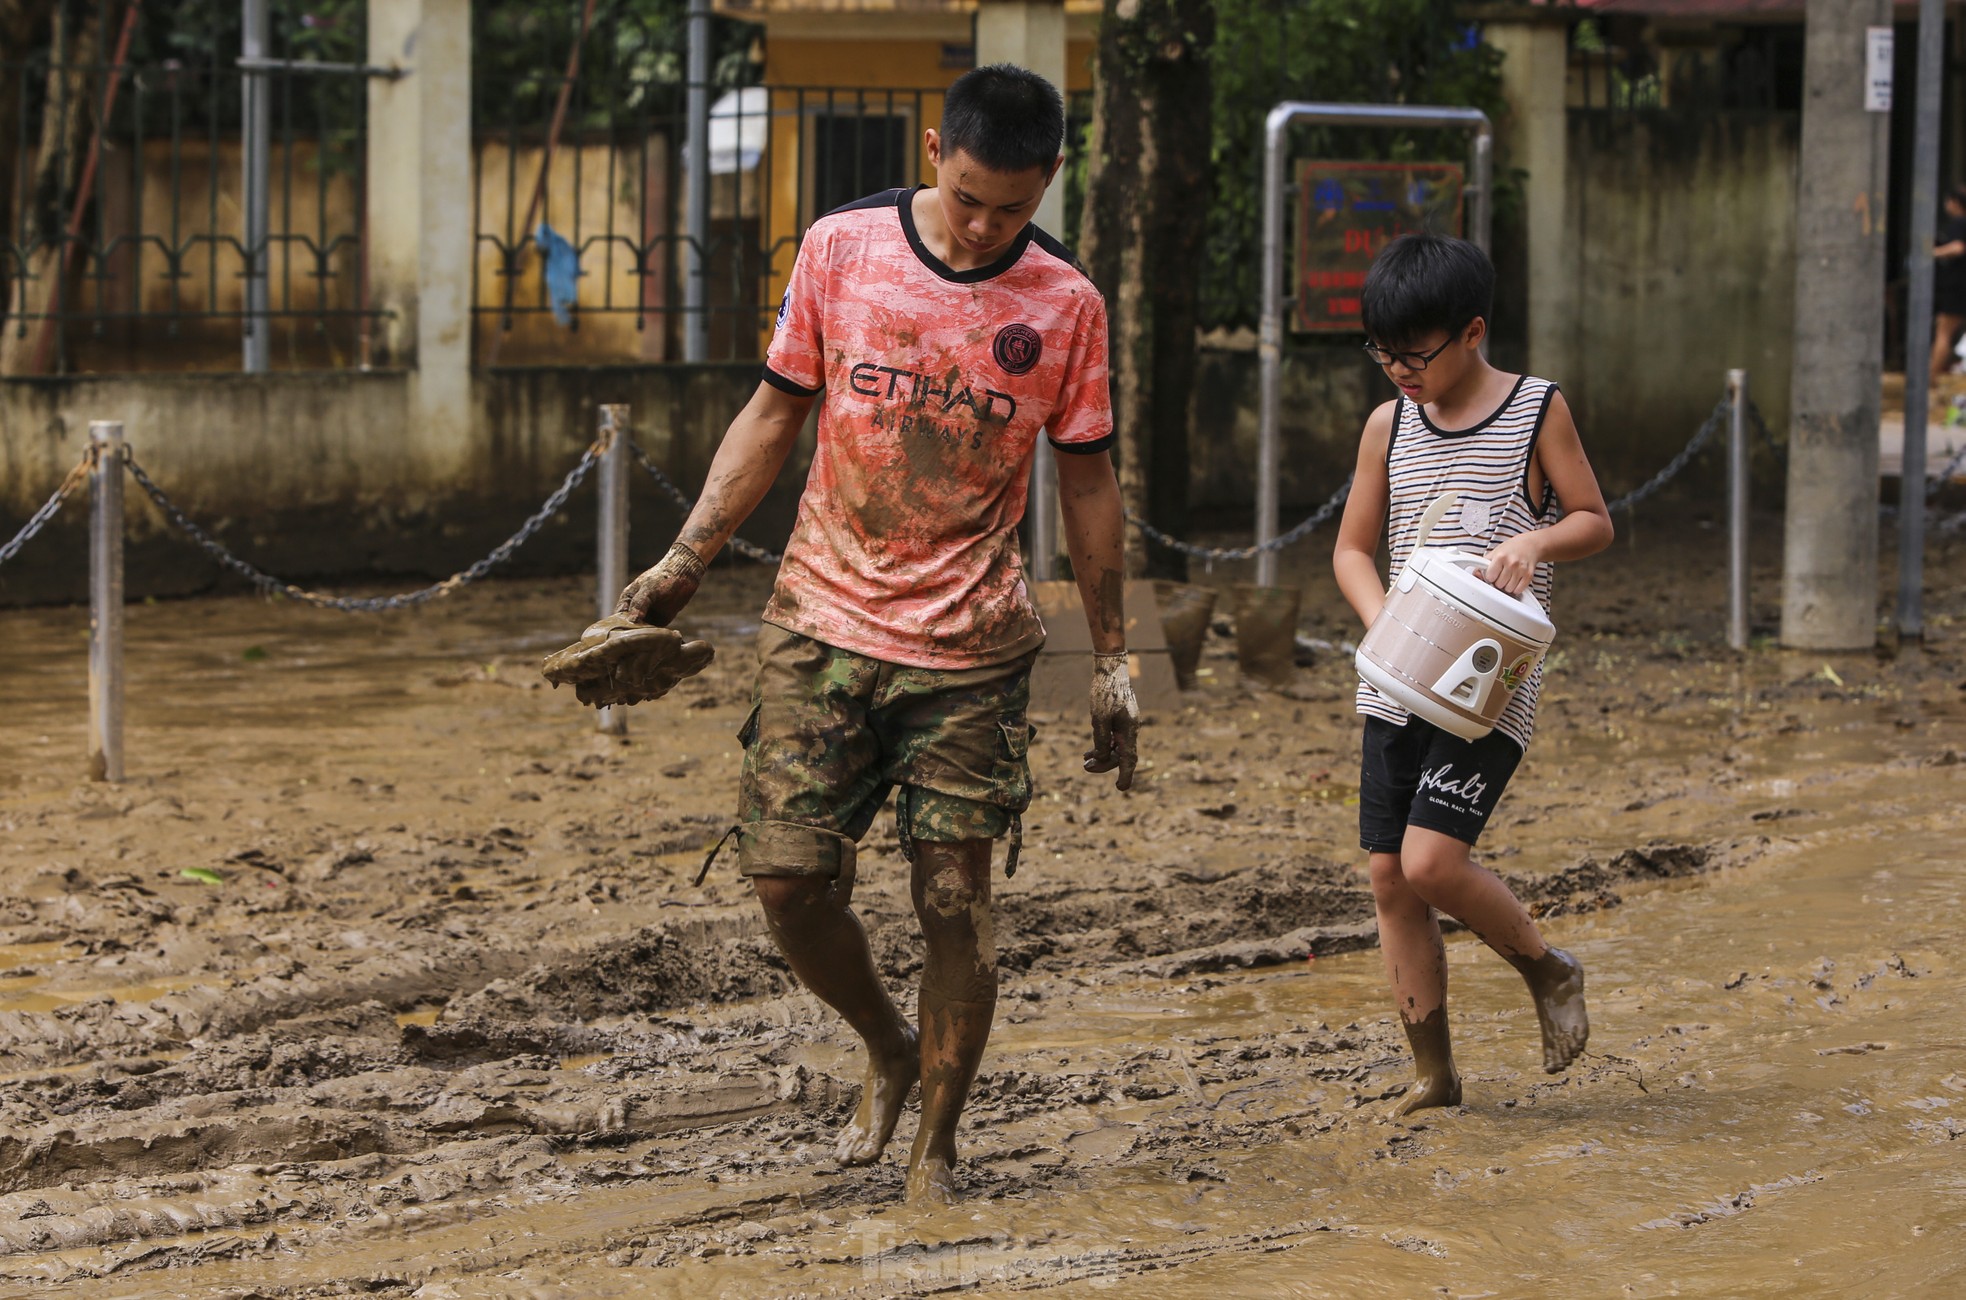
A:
[1469, 560]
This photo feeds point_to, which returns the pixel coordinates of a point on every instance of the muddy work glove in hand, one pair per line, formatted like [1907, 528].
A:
[632, 655]
[1115, 720]
[659, 594]
[620, 661]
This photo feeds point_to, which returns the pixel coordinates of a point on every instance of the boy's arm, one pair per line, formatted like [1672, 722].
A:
[1585, 528]
[1354, 558]
[1089, 498]
[747, 463]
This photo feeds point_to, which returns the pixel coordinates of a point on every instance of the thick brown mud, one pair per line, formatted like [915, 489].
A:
[384, 975]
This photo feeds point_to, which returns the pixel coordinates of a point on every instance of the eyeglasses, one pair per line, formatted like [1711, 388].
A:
[1411, 360]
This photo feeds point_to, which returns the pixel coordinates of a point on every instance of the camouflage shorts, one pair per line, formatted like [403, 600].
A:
[831, 732]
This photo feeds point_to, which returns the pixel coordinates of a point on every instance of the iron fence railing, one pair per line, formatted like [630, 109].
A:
[123, 240]
[122, 245]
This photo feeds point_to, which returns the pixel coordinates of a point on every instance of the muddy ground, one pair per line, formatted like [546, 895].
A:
[438, 1012]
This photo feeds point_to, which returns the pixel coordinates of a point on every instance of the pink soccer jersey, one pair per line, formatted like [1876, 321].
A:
[936, 384]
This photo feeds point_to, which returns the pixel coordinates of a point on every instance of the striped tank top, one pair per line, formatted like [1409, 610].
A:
[1488, 464]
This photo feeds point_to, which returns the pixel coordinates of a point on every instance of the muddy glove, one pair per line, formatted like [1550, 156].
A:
[620, 661]
[659, 594]
[1115, 719]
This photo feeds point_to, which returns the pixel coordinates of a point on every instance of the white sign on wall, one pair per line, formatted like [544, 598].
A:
[1877, 70]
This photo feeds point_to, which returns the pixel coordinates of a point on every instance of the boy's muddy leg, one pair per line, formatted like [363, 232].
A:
[1438, 869]
[951, 886]
[1556, 984]
[827, 948]
[1416, 963]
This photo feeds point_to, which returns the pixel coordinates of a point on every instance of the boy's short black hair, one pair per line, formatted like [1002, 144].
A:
[1007, 118]
[1423, 282]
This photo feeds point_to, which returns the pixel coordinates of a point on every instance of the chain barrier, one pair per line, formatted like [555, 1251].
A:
[1677, 463]
[369, 604]
[750, 550]
[52, 507]
[1946, 475]
[1210, 555]
[1779, 450]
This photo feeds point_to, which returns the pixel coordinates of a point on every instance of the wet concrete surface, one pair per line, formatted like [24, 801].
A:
[454, 1023]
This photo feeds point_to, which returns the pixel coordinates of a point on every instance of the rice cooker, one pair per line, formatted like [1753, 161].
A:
[1449, 647]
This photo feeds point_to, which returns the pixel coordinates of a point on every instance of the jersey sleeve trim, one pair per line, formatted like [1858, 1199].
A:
[784, 385]
[1090, 448]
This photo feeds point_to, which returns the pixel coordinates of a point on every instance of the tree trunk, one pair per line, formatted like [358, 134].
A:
[22, 22]
[42, 212]
[1146, 210]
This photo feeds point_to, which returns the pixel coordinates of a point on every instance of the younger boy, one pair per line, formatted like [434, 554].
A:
[1527, 499]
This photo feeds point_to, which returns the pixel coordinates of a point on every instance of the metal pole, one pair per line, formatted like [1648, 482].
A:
[106, 602]
[611, 541]
[1481, 207]
[1043, 511]
[258, 352]
[696, 216]
[1737, 509]
[1269, 340]
[1918, 321]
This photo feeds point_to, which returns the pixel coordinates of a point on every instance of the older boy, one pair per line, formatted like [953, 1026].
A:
[1528, 499]
[944, 331]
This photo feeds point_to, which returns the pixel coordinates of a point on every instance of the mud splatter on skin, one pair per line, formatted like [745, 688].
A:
[1435, 1080]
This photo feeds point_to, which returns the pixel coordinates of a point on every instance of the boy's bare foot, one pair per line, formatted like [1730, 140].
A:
[931, 1181]
[1438, 1083]
[889, 1080]
[1556, 983]
[1427, 1093]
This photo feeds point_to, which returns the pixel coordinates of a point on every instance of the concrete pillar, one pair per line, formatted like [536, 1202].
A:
[1829, 568]
[1535, 137]
[1031, 34]
[421, 241]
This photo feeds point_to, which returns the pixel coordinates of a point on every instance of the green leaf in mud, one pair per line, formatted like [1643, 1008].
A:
[254, 654]
[203, 875]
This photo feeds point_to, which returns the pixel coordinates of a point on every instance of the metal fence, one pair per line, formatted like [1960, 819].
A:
[129, 244]
[123, 187]
[1616, 67]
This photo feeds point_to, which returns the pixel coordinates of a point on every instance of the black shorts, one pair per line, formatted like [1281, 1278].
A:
[1419, 775]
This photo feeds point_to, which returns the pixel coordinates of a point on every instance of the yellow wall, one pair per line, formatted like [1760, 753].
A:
[796, 66]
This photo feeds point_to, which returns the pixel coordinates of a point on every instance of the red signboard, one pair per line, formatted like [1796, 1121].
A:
[1347, 212]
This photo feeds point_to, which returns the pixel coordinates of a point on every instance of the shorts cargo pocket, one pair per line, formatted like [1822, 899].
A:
[747, 735]
[1012, 783]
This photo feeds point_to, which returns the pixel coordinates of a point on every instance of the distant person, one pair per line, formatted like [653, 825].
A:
[1949, 283]
[1528, 499]
[941, 332]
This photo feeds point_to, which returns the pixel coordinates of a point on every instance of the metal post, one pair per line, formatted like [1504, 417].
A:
[1918, 321]
[611, 541]
[106, 602]
[1737, 509]
[696, 216]
[1042, 511]
[257, 104]
[1269, 339]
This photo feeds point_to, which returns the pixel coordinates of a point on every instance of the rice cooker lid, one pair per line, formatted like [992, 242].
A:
[1522, 616]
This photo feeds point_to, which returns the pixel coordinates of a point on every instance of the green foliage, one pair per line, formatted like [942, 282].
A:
[633, 61]
[1334, 51]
